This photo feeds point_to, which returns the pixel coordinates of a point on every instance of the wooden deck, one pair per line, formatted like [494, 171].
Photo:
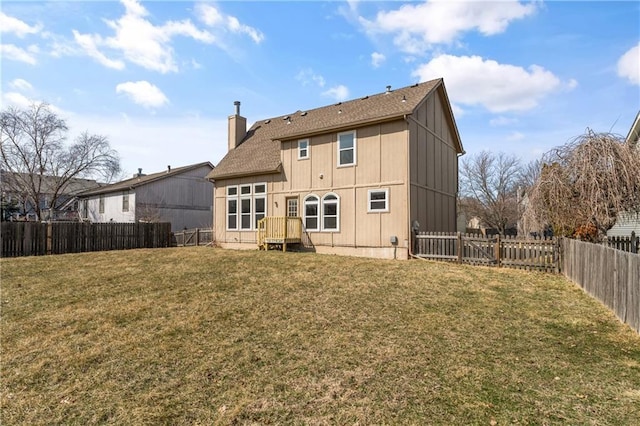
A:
[279, 231]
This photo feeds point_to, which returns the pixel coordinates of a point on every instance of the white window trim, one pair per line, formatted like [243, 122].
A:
[355, 149]
[306, 157]
[241, 214]
[386, 200]
[252, 196]
[321, 212]
[318, 215]
[237, 213]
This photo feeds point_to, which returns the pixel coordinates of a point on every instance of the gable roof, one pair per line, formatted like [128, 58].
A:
[12, 181]
[259, 151]
[634, 132]
[137, 181]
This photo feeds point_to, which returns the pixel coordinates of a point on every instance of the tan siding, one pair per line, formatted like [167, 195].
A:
[394, 151]
[434, 183]
[322, 162]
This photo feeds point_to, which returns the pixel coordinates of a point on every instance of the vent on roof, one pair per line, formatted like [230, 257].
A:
[416, 85]
[388, 89]
[404, 98]
[267, 121]
[286, 118]
[339, 111]
[339, 103]
[303, 113]
[366, 97]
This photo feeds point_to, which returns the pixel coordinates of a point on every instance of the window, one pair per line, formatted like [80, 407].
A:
[378, 200]
[85, 209]
[292, 207]
[311, 213]
[246, 205]
[101, 204]
[347, 149]
[125, 201]
[330, 212]
[303, 149]
[232, 207]
[259, 202]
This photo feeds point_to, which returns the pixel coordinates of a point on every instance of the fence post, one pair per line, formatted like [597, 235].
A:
[49, 238]
[197, 237]
[634, 242]
[497, 250]
[459, 247]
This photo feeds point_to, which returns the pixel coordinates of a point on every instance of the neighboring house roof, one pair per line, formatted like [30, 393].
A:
[259, 151]
[137, 181]
[634, 132]
[12, 181]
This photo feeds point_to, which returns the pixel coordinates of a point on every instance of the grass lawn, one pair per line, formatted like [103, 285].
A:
[209, 336]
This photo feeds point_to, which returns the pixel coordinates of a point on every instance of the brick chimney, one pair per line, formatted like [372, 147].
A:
[237, 127]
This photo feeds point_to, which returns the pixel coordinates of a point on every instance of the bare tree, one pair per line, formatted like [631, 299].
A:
[489, 189]
[40, 164]
[585, 184]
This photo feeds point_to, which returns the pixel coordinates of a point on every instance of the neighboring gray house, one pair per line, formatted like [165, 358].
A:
[628, 222]
[64, 191]
[181, 196]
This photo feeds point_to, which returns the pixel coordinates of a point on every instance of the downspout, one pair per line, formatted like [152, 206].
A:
[408, 180]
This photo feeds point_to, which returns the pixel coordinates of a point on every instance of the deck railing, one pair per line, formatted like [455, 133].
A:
[279, 230]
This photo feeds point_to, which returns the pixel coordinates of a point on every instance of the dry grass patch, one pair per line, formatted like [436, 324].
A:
[208, 336]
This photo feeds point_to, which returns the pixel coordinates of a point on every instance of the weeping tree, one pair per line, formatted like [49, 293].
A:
[585, 184]
[38, 164]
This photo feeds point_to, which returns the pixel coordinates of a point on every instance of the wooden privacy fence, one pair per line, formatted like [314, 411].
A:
[530, 254]
[193, 237]
[611, 276]
[34, 239]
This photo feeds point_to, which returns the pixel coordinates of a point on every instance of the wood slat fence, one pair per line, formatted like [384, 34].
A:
[630, 244]
[193, 237]
[609, 275]
[35, 239]
[529, 254]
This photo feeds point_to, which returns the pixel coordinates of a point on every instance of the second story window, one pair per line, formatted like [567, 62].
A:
[101, 204]
[347, 148]
[125, 201]
[303, 149]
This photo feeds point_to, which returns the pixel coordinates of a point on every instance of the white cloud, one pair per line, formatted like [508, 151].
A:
[15, 53]
[89, 43]
[377, 59]
[339, 93]
[16, 99]
[143, 93]
[139, 41]
[629, 65]
[515, 136]
[9, 24]
[212, 17]
[21, 85]
[416, 27]
[201, 139]
[471, 80]
[308, 76]
[502, 121]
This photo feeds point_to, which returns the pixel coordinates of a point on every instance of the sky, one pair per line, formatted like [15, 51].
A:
[159, 78]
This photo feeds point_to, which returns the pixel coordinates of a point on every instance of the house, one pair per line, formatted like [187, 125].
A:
[629, 222]
[180, 195]
[19, 202]
[361, 174]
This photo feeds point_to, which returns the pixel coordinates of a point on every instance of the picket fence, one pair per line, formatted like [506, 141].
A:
[539, 254]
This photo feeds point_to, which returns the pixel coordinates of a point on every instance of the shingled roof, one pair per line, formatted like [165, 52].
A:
[259, 151]
[136, 181]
